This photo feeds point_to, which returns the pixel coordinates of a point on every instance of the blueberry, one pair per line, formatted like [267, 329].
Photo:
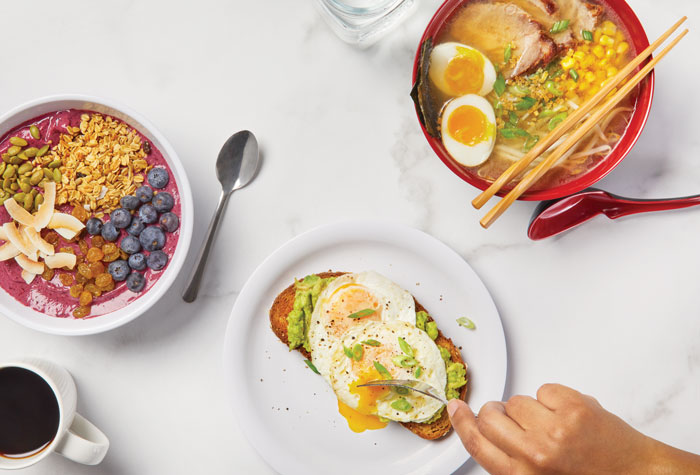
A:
[130, 245]
[169, 222]
[152, 238]
[158, 177]
[119, 269]
[94, 226]
[157, 260]
[135, 282]
[163, 202]
[129, 202]
[109, 232]
[148, 213]
[137, 261]
[144, 193]
[120, 217]
[135, 227]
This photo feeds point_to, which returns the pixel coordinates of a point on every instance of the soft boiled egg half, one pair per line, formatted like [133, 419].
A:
[468, 129]
[386, 350]
[458, 69]
[350, 301]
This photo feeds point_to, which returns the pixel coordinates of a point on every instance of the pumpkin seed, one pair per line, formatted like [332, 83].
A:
[6, 183]
[34, 192]
[48, 174]
[36, 177]
[26, 187]
[42, 151]
[6, 157]
[55, 164]
[20, 142]
[38, 199]
[31, 152]
[25, 167]
[19, 197]
[28, 202]
[2, 200]
[34, 130]
[14, 186]
[22, 155]
[2, 167]
[15, 160]
[9, 172]
[42, 182]
[14, 150]
[57, 175]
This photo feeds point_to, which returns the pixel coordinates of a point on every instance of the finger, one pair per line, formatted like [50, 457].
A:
[501, 430]
[527, 412]
[490, 457]
[557, 396]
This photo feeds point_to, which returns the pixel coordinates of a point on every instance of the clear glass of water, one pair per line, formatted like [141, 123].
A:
[362, 22]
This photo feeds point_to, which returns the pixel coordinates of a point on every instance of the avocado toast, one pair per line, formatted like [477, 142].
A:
[437, 426]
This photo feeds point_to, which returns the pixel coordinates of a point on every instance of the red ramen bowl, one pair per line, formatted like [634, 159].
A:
[642, 107]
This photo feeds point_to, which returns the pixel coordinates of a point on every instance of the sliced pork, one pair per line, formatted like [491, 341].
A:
[581, 15]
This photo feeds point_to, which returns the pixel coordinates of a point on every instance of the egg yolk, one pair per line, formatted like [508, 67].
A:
[347, 300]
[464, 73]
[468, 125]
[364, 417]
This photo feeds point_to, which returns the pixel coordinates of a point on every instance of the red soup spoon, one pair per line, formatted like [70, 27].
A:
[556, 216]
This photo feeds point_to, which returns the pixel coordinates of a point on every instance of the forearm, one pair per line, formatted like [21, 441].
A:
[664, 459]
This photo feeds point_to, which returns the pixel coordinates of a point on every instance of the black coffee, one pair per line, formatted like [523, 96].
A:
[28, 412]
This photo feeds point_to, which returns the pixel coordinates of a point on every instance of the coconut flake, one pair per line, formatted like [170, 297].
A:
[8, 251]
[60, 259]
[28, 276]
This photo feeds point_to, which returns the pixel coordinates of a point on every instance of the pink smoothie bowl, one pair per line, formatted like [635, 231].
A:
[31, 318]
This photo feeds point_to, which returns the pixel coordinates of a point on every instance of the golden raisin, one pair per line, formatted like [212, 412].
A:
[83, 246]
[84, 270]
[97, 241]
[110, 248]
[108, 288]
[103, 280]
[95, 254]
[69, 250]
[80, 213]
[51, 237]
[80, 278]
[92, 288]
[81, 312]
[80, 259]
[48, 273]
[85, 298]
[111, 257]
[96, 268]
[76, 290]
[66, 279]
[123, 254]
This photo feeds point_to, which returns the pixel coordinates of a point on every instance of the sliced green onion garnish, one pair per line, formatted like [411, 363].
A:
[573, 74]
[419, 370]
[556, 73]
[466, 323]
[405, 347]
[401, 405]
[497, 107]
[371, 343]
[530, 142]
[348, 352]
[362, 313]
[587, 35]
[508, 53]
[382, 370]
[556, 120]
[526, 103]
[559, 26]
[519, 90]
[513, 118]
[552, 88]
[500, 84]
[400, 390]
[357, 352]
[404, 361]
[547, 113]
[513, 132]
[313, 367]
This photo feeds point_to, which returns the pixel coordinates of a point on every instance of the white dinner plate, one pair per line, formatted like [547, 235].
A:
[290, 415]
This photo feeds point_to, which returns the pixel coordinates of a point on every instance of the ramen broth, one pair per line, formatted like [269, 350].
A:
[519, 130]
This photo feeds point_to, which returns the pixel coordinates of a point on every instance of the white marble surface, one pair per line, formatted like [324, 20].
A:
[611, 308]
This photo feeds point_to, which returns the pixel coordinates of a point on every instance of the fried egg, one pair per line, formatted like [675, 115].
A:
[468, 129]
[390, 350]
[350, 301]
[458, 69]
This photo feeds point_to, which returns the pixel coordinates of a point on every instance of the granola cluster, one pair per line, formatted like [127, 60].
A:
[102, 161]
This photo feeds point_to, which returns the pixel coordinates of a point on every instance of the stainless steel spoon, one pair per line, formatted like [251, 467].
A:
[235, 168]
[417, 386]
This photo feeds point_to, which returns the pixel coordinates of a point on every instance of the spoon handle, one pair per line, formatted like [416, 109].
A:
[627, 206]
[192, 288]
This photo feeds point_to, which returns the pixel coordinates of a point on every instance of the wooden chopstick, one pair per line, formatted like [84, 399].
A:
[544, 166]
[518, 167]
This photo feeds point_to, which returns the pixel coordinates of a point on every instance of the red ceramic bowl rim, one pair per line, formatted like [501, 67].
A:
[634, 129]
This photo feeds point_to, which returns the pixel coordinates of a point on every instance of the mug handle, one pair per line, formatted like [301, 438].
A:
[83, 442]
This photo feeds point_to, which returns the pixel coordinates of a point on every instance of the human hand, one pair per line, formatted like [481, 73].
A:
[562, 431]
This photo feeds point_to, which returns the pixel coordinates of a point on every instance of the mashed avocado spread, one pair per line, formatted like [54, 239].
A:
[307, 291]
[456, 372]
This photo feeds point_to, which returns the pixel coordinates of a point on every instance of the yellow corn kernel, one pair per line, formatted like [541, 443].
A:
[585, 48]
[610, 53]
[589, 76]
[600, 76]
[588, 61]
[619, 37]
[568, 63]
[599, 51]
[605, 40]
[583, 85]
[611, 71]
[603, 63]
[593, 90]
[622, 47]
[608, 28]
[579, 55]
[597, 34]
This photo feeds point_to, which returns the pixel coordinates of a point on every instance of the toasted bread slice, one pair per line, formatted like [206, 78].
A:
[284, 304]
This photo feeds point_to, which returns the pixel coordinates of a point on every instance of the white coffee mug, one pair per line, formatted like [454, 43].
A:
[76, 438]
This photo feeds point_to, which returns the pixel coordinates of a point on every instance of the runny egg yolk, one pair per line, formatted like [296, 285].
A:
[347, 300]
[464, 73]
[364, 417]
[468, 125]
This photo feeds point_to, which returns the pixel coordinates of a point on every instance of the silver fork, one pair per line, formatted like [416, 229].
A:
[417, 386]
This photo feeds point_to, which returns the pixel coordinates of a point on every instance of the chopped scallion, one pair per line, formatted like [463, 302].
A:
[401, 405]
[357, 352]
[530, 142]
[552, 88]
[405, 347]
[573, 74]
[418, 372]
[559, 26]
[500, 85]
[371, 342]
[513, 132]
[362, 313]
[348, 352]
[466, 323]
[556, 120]
[313, 367]
[587, 35]
[513, 118]
[525, 103]
[382, 370]
[508, 53]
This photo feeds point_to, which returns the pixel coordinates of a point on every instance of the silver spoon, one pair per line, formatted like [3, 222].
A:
[235, 168]
[417, 386]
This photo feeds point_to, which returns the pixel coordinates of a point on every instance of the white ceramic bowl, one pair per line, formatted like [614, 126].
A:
[70, 326]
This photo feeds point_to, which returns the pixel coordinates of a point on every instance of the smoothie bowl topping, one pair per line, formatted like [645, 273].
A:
[89, 206]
